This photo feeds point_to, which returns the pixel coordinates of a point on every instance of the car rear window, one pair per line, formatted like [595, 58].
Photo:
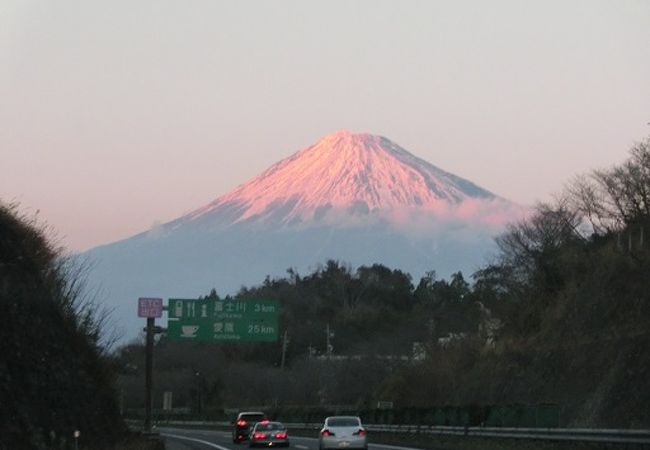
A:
[252, 417]
[343, 422]
[269, 426]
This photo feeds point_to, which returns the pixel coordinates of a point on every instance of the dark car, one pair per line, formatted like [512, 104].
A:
[269, 434]
[244, 424]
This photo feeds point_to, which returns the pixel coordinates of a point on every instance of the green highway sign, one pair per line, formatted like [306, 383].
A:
[236, 330]
[223, 320]
[191, 309]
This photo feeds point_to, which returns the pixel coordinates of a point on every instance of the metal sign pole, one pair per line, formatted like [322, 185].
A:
[148, 374]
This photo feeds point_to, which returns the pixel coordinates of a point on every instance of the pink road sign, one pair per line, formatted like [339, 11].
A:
[150, 307]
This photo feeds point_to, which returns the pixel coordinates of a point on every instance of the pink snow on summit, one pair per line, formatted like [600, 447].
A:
[345, 177]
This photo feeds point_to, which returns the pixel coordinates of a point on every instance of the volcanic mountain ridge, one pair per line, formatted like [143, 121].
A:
[343, 175]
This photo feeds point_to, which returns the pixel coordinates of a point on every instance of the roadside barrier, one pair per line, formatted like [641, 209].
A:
[605, 436]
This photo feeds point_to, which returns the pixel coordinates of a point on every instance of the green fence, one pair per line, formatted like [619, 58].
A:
[520, 416]
[544, 415]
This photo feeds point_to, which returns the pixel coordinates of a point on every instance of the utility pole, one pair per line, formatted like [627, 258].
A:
[285, 344]
[629, 240]
[329, 346]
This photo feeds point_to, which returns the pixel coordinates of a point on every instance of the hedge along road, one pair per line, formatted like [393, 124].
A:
[184, 439]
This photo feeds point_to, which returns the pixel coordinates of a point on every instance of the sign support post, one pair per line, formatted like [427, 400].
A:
[148, 375]
[206, 320]
[149, 308]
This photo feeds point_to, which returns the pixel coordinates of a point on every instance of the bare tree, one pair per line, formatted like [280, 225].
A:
[526, 242]
[614, 198]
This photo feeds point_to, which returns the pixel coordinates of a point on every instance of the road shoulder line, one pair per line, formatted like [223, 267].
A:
[200, 441]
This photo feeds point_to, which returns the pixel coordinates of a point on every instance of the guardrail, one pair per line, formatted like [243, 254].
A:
[603, 436]
[641, 437]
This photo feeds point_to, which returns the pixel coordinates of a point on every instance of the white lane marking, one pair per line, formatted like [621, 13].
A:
[393, 447]
[200, 441]
[302, 447]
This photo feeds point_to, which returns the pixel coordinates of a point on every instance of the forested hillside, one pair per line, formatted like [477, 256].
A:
[560, 316]
[54, 375]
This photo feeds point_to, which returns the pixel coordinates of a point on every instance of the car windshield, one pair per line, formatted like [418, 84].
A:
[269, 426]
[343, 422]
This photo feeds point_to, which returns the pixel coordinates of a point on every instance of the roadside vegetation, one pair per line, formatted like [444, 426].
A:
[55, 374]
[559, 316]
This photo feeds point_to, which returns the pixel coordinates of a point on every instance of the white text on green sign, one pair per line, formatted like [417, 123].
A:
[221, 309]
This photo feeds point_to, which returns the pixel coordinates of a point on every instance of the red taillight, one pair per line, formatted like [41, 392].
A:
[259, 435]
[265, 421]
[241, 422]
[327, 433]
[361, 432]
[281, 435]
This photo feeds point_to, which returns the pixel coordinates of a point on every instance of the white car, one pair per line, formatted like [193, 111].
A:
[344, 432]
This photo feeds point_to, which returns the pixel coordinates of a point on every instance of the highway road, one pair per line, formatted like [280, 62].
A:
[184, 439]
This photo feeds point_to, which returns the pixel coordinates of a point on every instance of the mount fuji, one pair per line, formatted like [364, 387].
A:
[357, 198]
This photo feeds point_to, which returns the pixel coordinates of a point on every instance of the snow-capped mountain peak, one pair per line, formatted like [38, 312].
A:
[352, 172]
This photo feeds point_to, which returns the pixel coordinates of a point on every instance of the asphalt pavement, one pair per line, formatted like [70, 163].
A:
[185, 439]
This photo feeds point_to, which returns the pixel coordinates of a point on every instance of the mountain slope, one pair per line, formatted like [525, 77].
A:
[343, 172]
[357, 198]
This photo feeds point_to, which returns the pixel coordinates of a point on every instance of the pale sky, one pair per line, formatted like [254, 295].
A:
[115, 115]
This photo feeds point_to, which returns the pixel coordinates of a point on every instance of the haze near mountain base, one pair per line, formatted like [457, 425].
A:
[357, 198]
